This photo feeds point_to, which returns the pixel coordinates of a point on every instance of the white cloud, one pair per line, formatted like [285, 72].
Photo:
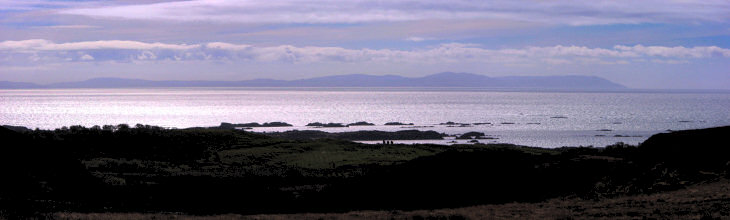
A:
[22, 44]
[682, 52]
[560, 50]
[125, 51]
[86, 57]
[146, 55]
[227, 46]
[45, 45]
[416, 39]
[573, 12]
[25, 5]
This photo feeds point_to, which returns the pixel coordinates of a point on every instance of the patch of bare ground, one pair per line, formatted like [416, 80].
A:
[709, 200]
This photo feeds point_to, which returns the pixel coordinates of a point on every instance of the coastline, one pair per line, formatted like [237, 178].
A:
[533, 119]
[446, 133]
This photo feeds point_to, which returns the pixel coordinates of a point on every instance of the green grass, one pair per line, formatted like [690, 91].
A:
[323, 154]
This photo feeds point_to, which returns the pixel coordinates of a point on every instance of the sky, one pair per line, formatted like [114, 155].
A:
[648, 44]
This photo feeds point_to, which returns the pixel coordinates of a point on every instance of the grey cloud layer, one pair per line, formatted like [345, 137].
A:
[574, 12]
[38, 50]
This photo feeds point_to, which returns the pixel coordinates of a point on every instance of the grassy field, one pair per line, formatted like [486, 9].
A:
[326, 154]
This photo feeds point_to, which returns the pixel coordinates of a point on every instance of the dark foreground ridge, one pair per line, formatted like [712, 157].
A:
[199, 171]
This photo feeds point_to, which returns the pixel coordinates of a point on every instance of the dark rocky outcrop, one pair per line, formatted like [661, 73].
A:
[361, 123]
[227, 125]
[328, 125]
[398, 123]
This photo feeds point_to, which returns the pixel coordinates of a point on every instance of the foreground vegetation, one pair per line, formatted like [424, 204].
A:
[203, 171]
[701, 201]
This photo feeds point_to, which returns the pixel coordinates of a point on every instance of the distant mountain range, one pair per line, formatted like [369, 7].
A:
[447, 79]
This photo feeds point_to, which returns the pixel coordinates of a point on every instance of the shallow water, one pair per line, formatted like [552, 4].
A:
[539, 118]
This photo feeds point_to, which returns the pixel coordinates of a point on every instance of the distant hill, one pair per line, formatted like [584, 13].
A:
[18, 85]
[446, 79]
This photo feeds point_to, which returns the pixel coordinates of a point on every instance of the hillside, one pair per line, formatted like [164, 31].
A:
[446, 79]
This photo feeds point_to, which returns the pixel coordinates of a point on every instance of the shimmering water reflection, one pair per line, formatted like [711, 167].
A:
[529, 118]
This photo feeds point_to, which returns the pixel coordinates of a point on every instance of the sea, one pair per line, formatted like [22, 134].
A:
[530, 118]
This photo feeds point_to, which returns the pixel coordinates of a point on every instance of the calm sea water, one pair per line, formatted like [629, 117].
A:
[528, 118]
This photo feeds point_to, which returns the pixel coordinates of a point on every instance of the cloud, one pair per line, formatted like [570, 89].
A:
[146, 55]
[416, 39]
[227, 46]
[67, 27]
[669, 61]
[572, 12]
[680, 52]
[86, 57]
[39, 50]
[560, 50]
[27, 5]
[45, 45]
